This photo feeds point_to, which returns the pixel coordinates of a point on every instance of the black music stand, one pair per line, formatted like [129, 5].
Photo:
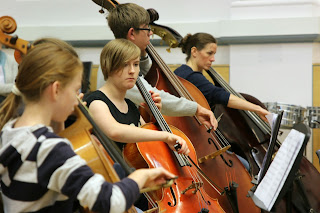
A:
[268, 157]
[293, 174]
[287, 188]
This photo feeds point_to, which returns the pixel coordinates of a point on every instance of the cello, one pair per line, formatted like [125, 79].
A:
[186, 192]
[7, 26]
[90, 149]
[98, 150]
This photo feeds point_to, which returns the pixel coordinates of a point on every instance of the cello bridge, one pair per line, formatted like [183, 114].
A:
[214, 155]
[194, 185]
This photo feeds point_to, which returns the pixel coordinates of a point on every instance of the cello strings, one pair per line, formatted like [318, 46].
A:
[184, 93]
[219, 134]
[187, 95]
[155, 54]
[150, 200]
[165, 127]
[252, 115]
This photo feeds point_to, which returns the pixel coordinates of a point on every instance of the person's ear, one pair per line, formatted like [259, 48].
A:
[131, 34]
[55, 89]
[194, 51]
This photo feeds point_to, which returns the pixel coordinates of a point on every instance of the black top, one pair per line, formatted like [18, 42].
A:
[132, 117]
[213, 94]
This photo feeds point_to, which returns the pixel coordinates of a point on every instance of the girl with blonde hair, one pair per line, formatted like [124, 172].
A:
[39, 170]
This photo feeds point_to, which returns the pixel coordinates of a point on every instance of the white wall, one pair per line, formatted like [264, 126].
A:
[273, 72]
[80, 20]
[289, 64]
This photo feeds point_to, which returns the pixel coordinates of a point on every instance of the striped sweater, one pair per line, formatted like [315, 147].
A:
[41, 173]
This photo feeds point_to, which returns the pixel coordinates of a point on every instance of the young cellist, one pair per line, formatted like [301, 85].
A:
[116, 115]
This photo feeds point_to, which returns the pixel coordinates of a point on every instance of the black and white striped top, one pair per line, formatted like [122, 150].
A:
[41, 173]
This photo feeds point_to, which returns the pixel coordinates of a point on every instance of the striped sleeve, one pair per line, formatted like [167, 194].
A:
[74, 178]
[40, 172]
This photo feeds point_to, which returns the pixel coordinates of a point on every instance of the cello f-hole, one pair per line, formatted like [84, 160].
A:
[230, 164]
[174, 198]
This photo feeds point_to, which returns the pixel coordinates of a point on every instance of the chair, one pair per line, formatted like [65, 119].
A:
[87, 65]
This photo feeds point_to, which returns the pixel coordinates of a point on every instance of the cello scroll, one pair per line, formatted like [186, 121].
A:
[7, 26]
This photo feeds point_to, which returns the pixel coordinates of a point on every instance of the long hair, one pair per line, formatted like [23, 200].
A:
[198, 40]
[44, 64]
[115, 54]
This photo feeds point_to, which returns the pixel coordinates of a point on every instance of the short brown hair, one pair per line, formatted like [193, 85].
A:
[115, 54]
[125, 16]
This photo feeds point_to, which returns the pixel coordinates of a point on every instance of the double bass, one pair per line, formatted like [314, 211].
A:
[250, 137]
[210, 146]
[249, 134]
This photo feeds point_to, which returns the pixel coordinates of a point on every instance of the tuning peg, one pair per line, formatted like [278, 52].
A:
[13, 39]
[101, 10]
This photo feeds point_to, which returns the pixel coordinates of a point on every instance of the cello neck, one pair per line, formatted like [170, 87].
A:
[159, 118]
[173, 79]
[252, 115]
[107, 143]
[153, 108]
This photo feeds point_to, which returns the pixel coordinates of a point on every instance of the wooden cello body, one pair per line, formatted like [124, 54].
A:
[187, 193]
[91, 150]
[252, 139]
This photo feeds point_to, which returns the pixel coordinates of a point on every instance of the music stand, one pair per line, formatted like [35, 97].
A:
[287, 184]
[274, 135]
[287, 187]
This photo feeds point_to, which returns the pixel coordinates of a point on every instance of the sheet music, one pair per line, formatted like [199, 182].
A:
[268, 190]
[271, 119]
